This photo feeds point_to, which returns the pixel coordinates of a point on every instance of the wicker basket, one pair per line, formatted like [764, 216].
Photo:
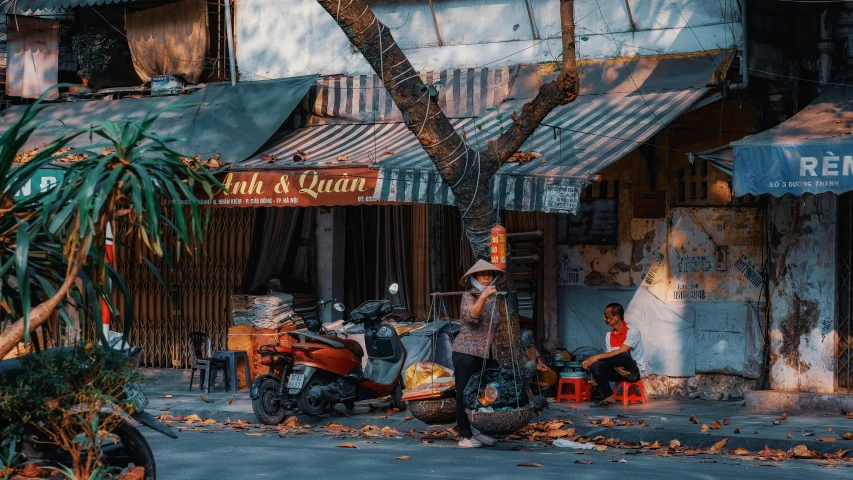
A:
[500, 423]
[434, 412]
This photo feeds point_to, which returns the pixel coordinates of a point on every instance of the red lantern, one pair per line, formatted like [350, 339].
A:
[498, 249]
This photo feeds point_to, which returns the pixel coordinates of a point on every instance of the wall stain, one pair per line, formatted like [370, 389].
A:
[803, 318]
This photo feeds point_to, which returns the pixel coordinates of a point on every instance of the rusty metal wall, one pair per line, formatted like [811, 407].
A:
[197, 292]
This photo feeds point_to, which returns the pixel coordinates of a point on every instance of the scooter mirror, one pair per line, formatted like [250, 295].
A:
[340, 307]
[393, 288]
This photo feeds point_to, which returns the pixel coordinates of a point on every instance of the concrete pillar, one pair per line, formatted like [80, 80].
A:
[803, 293]
[330, 232]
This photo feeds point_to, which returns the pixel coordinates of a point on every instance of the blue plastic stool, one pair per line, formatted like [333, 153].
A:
[231, 357]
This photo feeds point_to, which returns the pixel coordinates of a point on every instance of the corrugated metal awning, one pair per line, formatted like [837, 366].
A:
[576, 141]
[232, 121]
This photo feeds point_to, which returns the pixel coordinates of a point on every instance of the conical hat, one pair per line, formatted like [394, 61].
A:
[483, 266]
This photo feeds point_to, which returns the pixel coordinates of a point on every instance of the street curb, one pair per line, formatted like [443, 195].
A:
[706, 440]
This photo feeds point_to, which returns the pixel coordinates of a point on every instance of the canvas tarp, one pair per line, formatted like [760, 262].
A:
[680, 338]
[32, 66]
[169, 40]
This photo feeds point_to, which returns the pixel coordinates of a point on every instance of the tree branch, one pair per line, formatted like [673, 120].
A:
[561, 91]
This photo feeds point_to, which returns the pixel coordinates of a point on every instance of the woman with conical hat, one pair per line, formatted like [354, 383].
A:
[475, 344]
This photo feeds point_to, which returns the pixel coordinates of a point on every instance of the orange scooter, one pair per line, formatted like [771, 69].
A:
[327, 369]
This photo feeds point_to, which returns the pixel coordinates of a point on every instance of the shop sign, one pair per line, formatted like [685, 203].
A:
[42, 180]
[296, 188]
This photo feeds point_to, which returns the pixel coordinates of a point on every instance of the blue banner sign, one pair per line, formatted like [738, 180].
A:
[794, 169]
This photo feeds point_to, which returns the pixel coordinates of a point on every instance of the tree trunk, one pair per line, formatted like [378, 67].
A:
[468, 172]
[42, 312]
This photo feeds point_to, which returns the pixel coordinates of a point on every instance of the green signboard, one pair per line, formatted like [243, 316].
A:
[42, 180]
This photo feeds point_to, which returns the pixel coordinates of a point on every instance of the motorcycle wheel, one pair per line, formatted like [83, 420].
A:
[131, 448]
[312, 406]
[268, 406]
[397, 398]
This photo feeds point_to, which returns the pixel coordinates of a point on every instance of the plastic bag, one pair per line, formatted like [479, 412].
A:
[495, 388]
[422, 373]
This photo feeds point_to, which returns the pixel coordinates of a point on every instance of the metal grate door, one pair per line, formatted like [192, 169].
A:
[198, 292]
[844, 322]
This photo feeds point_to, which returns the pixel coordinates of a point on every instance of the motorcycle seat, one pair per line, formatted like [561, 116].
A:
[274, 349]
[350, 345]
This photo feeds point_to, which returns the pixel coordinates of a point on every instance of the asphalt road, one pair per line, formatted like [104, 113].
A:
[229, 454]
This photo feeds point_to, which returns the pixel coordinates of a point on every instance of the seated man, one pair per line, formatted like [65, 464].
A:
[624, 360]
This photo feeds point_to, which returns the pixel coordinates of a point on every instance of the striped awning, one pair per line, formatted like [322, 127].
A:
[576, 141]
[621, 105]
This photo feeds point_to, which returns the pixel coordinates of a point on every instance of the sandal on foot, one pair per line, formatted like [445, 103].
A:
[602, 403]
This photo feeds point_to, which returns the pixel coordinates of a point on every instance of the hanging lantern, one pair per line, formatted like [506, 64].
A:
[498, 249]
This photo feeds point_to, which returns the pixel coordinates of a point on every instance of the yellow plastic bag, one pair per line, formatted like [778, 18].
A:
[422, 373]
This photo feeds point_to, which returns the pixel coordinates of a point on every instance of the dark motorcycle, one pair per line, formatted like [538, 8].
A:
[270, 399]
[130, 446]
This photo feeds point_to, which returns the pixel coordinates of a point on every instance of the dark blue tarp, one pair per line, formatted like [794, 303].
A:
[232, 121]
[812, 152]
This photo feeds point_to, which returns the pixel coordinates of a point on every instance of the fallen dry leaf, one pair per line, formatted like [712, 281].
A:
[784, 416]
[342, 158]
[346, 445]
[801, 451]
[389, 152]
[777, 422]
[674, 444]
[206, 400]
[694, 419]
[808, 434]
[737, 430]
[704, 428]
[719, 445]
[257, 434]
[826, 439]
[601, 448]
[584, 462]
[739, 451]
[30, 470]
[829, 429]
[132, 473]
[209, 421]
[755, 432]
[530, 464]
[166, 396]
[403, 457]
[643, 423]
[847, 436]
[233, 399]
[291, 422]
[715, 425]
[726, 422]
[192, 418]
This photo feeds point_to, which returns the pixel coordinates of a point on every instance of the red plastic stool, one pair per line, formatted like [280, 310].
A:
[577, 391]
[627, 396]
